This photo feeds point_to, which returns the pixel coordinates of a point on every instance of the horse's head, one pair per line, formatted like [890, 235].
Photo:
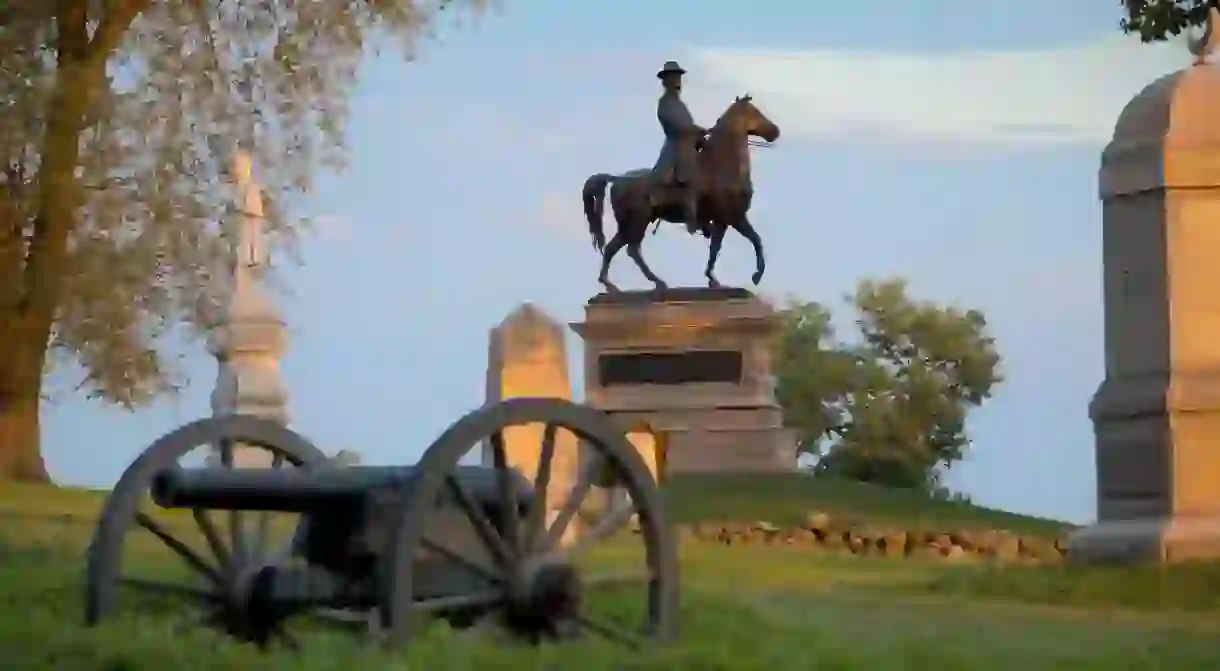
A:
[745, 118]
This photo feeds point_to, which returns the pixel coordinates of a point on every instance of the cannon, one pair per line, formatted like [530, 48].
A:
[385, 550]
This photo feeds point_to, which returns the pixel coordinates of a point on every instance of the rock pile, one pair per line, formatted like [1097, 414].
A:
[821, 532]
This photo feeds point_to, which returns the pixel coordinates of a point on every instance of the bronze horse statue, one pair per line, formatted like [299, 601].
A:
[724, 195]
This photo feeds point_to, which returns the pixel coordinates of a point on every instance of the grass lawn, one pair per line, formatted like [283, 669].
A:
[744, 607]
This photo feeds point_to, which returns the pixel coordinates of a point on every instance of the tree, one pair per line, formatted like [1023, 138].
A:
[892, 407]
[112, 177]
[1156, 20]
[812, 375]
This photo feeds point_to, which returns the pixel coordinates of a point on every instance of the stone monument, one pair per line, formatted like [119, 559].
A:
[526, 357]
[1156, 415]
[688, 373]
[249, 337]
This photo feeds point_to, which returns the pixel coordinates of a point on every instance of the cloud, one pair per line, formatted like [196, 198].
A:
[1068, 95]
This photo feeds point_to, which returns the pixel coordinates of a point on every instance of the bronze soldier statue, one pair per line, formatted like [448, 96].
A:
[677, 168]
[702, 179]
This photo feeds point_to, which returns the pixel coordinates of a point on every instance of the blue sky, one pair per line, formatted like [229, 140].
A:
[953, 143]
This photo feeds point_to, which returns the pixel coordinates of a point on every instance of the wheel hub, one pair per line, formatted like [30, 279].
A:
[544, 598]
[247, 610]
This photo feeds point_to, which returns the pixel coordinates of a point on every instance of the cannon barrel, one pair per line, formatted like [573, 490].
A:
[304, 490]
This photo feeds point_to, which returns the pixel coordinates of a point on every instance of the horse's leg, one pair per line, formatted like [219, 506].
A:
[616, 243]
[742, 224]
[633, 250]
[636, 229]
[620, 192]
[718, 229]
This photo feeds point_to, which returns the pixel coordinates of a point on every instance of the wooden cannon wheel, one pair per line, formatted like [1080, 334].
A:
[537, 588]
[232, 552]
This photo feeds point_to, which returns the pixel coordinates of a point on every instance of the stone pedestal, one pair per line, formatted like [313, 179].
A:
[248, 345]
[691, 370]
[1157, 413]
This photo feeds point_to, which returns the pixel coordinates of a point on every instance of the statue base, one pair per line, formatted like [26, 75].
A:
[672, 295]
[691, 367]
[1152, 540]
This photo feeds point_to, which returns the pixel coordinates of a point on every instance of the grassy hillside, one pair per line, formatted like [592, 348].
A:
[782, 499]
[743, 607]
[787, 499]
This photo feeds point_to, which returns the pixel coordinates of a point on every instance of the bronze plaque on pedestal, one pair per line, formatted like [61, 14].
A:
[691, 366]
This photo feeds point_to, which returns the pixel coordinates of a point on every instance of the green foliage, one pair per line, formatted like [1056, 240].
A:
[812, 374]
[166, 90]
[1156, 20]
[891, 407]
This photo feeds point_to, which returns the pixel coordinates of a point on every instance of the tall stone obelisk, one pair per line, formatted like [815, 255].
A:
[249, 337]
[1156, 416]
[526, 357]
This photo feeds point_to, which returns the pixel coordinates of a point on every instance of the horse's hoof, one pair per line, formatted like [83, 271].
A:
[713, 284]
[756, 278]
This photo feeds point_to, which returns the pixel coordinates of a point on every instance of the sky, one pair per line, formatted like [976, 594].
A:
[952, 143]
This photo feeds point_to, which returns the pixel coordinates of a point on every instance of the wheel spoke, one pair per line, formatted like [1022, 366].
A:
[212, 536]
[459, 559]
[344, 617]
[237, 535]
[280, 556]
[207, 618]
[260, 538]
[286, 637]
[510, 513]
[608, 630]
[169, 589]
[181, 549]
[352, 620]
[604, 528]
[237, 530]
[542, 481]
[485, 598]
[572, 505]
[482, 525]
[264, 519]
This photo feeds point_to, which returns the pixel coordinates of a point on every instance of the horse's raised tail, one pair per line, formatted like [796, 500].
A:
[594, 195]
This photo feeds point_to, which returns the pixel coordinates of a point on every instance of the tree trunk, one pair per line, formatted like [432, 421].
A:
[26, 318]
[20, 451]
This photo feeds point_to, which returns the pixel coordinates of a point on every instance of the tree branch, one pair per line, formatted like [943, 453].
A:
[71, 24]
[119, 16]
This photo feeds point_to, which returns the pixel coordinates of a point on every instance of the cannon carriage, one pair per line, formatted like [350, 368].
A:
[383, 549]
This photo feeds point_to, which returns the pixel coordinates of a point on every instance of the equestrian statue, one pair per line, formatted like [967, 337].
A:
[701, 179]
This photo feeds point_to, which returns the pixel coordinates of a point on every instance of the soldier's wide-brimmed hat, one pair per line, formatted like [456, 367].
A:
[671, 68]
